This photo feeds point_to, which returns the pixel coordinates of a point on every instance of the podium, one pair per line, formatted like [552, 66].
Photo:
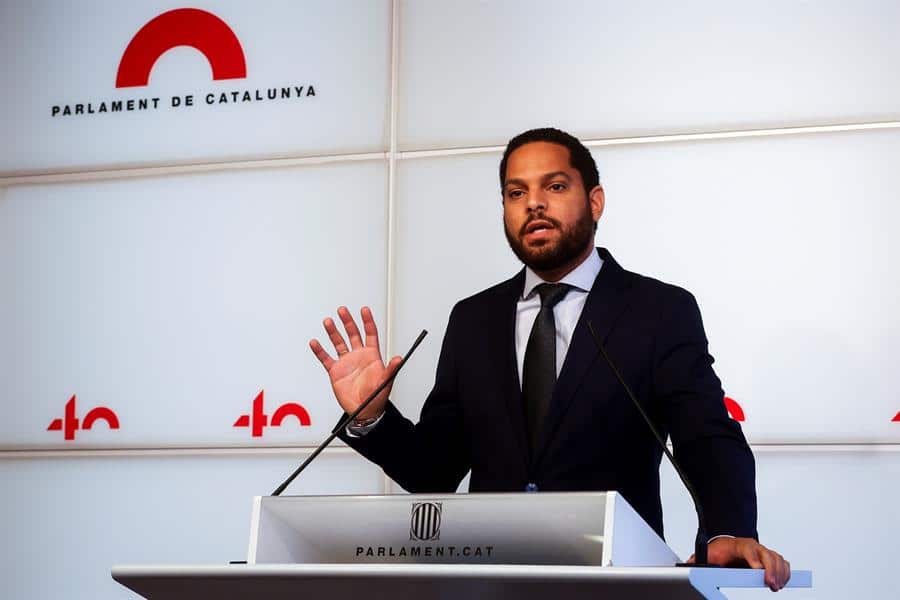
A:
[567, 545]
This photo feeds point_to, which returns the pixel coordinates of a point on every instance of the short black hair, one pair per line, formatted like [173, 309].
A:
[580, 157]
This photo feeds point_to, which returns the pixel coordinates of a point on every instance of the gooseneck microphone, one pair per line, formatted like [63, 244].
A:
[700, 556]
[346, 420]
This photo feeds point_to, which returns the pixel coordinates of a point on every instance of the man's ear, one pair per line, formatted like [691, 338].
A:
[597, 200]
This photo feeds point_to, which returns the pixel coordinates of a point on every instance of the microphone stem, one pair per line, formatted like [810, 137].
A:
[700, 550]
[346, 420]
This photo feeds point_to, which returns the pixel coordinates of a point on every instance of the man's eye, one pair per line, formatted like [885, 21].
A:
[515, 193]
[557, 187]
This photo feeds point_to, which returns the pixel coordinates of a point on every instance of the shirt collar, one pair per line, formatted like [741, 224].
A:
[581, 277]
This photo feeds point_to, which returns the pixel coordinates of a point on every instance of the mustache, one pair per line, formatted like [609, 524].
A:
[538, 217]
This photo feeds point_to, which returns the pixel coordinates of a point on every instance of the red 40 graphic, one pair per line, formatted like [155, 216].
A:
[69, 423]
[737, 413]
[734, 409]
[257, 419]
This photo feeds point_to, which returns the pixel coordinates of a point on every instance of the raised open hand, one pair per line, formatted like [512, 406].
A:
[359, 369]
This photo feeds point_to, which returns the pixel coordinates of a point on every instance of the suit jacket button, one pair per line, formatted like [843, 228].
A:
[531, 487]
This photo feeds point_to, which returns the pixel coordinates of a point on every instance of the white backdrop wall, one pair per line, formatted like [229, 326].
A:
[169, 265]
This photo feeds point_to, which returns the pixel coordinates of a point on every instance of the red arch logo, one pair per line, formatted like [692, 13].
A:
[182, 27]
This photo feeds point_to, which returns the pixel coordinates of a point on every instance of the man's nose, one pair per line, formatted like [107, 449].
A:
[537, 201]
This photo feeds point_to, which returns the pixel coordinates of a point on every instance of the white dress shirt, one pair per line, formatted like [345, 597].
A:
[565, 313]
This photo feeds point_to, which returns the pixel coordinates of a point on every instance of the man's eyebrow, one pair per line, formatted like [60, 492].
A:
[544, 177]
[556, 174]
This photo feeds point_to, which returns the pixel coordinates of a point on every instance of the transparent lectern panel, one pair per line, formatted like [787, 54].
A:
[830, 510]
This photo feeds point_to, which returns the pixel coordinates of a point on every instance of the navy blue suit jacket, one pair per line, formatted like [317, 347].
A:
[594, 438]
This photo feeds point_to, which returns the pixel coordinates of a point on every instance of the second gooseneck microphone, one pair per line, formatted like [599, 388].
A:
[700, 554]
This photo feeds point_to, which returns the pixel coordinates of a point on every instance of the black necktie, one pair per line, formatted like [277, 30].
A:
[539, 369]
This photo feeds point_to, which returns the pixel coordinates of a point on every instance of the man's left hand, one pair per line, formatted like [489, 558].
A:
[747, 552]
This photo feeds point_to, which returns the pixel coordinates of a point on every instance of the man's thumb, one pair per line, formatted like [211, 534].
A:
[394, 364]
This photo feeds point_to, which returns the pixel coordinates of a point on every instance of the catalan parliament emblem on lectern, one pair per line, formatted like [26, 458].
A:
[425, 523]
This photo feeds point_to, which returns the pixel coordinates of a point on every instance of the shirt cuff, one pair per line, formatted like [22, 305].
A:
[358, 431]
[715, 537]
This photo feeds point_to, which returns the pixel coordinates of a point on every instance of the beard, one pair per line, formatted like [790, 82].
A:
[549, 256]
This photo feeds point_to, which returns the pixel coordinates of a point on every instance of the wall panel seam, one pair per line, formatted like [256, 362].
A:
[391, 193]
[187, 169]
[671, 138]
[301, 451]
[285, 162]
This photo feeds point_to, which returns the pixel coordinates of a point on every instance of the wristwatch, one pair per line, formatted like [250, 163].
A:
[359, 428]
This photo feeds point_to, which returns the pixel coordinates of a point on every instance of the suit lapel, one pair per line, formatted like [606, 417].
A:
[504, 345]
[605, 302]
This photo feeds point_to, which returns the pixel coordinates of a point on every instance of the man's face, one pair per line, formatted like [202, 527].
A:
[547, 215]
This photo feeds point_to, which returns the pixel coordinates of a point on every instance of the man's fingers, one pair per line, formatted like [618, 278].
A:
[771, 567]
[321, 354]
[784, 569]
[756, 556]
[350, 326]
[369, 327]
[337, 340]
[753, 558]
[777, 570]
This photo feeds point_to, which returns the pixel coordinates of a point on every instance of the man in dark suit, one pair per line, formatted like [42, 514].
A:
[523, 400]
